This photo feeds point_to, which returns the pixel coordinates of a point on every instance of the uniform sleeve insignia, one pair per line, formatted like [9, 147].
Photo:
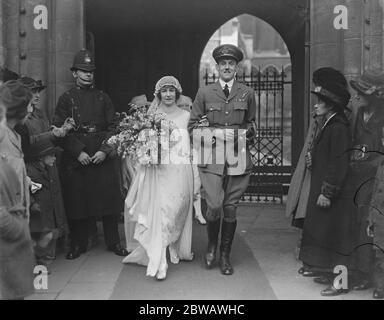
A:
[244, 95]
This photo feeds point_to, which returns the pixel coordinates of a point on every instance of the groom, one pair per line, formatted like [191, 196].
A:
[228, 106]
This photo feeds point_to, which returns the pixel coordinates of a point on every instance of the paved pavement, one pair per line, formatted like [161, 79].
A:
[263, 257]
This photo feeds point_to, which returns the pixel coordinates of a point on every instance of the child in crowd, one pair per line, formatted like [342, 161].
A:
[46, 224]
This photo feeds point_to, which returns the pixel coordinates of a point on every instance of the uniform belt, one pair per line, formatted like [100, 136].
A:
[91, 129]
[233, 126]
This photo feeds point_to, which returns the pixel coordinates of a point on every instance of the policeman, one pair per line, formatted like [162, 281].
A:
[225, 107]
[90, 175]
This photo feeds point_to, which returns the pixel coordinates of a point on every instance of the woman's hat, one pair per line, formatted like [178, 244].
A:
[32, 84]
[328, 76]
[15, 97]
[41, 149]
[7, 75]
[185, 103]
[331, 86]
[371, 82]
[140, 101]
[168, 81]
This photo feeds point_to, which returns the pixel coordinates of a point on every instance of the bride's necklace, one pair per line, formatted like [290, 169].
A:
[169, 110]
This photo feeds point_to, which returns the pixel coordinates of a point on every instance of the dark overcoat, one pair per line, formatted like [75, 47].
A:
[92, 190]
[36, 128]
[51, 215]
[328, 234]
[367, 136]
[16, 253]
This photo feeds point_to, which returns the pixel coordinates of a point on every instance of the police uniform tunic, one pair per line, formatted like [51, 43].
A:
[223, 185]
[91, 190]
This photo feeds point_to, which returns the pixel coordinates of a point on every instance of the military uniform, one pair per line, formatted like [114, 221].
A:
[89, 190]
[223, 184]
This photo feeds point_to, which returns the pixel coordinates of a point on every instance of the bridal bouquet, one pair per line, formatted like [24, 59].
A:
[143, 137]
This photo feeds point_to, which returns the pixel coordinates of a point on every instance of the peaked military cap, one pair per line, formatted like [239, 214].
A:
[227, 51]
[84, 60]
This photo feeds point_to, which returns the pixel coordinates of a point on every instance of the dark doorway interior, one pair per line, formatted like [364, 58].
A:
[138, 41]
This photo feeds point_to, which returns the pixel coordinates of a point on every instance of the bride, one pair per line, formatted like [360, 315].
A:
[160, 199]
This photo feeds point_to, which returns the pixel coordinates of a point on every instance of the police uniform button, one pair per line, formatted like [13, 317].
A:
[226, 112]
[211, 109]
[227, 101]
[226, 124]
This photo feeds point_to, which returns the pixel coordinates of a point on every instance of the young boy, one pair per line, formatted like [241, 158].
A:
[45, 220]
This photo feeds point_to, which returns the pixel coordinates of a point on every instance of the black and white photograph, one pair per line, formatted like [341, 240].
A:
[211, 152]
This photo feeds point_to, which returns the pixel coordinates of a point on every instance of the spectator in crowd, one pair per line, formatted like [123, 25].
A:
[298, 193]
[15, 98]
[375, 231]
[36, 129]
[16, 253]
[90, 178]
[367, 151]
[328, 230]
[47, 221]
[6, 75]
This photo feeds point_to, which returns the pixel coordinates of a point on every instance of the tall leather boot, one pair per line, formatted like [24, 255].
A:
[227, 234]
[213, 228]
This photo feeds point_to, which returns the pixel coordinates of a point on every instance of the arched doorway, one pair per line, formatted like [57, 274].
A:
[266, 60]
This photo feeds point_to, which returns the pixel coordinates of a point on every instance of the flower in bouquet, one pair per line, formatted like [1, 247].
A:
[143, 137]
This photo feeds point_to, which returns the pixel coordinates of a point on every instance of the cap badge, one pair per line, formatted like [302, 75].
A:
[87, 59]
[317, 89]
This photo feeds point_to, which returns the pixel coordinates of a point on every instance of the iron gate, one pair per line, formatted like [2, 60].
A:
[271, 174]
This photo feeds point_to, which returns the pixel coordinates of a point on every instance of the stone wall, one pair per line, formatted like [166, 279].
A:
[44, 54]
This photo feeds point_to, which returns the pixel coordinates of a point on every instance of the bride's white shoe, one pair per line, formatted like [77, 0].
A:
[198, 214]
[173, 255]
[162, 273]
[200, 219]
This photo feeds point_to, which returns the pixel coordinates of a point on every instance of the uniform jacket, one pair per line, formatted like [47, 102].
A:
[235, 112]
[16, 253]
[11, 152]
[92, 190]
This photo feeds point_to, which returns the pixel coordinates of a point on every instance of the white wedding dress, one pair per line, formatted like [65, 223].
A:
[159, 203]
